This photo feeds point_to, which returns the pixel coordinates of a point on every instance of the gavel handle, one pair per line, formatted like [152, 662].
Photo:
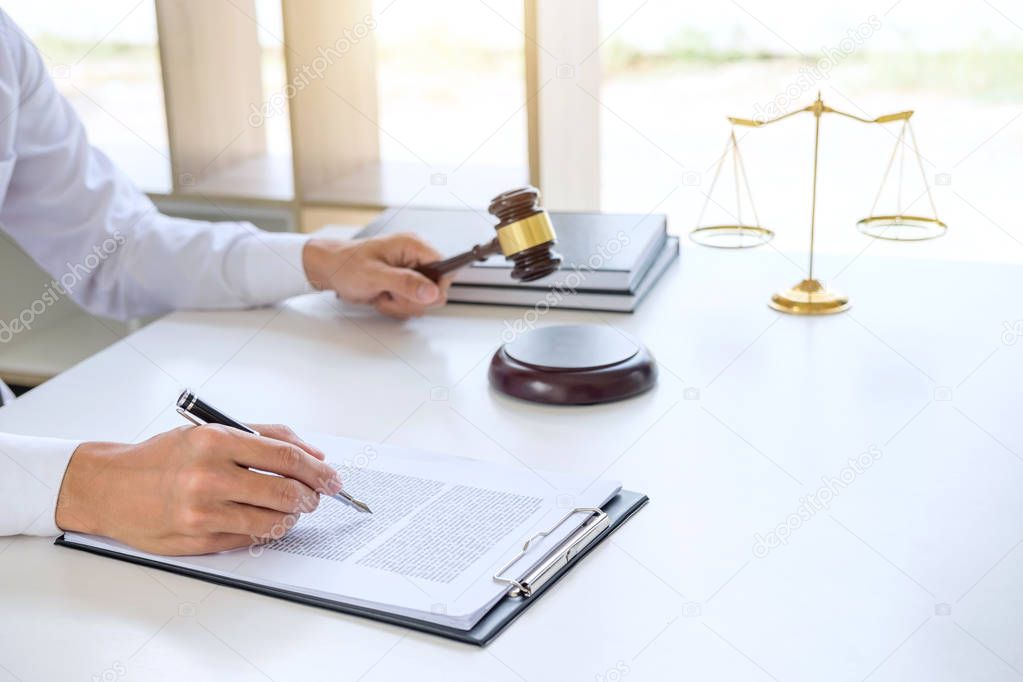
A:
[438, 269]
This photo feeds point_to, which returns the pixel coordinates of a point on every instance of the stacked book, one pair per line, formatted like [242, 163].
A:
[609, 261]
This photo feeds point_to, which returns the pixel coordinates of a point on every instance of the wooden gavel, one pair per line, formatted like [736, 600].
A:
[525, 236]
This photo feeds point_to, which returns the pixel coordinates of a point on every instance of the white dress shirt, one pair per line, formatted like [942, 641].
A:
[107, 247]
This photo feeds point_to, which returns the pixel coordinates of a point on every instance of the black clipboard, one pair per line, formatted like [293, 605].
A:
[522, 593]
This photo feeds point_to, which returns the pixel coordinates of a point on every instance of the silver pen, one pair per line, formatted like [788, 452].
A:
[195, 410]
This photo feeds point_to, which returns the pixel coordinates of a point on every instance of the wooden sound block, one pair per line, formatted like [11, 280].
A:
[577, 364]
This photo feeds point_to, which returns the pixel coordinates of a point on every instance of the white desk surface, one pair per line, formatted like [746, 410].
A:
[912, 573]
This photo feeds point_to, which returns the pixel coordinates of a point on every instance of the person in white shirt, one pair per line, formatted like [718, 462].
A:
[190, 490]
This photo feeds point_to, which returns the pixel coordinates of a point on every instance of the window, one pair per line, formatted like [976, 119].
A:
[104, 58]
[673, 70]
[612, 104]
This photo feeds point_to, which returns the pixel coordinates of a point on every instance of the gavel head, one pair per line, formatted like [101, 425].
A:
[525, 233]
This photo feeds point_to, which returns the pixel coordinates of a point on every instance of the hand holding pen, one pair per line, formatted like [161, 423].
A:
[194, 490]
[195, 410]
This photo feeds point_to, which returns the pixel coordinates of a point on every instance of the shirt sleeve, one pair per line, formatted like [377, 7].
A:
[31, 473]
[100, 238]
[108, 248]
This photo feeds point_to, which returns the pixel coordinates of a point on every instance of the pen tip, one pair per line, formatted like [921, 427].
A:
[342, 496]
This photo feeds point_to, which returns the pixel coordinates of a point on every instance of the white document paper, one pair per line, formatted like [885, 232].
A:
[442, 526]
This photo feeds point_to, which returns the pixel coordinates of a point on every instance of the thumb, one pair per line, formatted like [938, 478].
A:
[409, 284]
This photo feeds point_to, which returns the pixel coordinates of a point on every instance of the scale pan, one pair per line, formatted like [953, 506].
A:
[731, 236]
[901, 228]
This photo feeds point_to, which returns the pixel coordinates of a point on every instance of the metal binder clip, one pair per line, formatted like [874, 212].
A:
[559, 556]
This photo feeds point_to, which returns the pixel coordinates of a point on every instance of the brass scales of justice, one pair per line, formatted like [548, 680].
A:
[810, 296]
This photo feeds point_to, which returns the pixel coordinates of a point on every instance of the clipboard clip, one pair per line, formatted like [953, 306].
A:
[559, 556]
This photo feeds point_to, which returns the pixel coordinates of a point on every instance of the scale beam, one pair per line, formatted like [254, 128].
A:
[818, 108]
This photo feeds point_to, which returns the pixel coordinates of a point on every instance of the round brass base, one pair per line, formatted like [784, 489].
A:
[809, 297]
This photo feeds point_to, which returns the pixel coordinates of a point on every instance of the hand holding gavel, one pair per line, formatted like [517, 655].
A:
[376, 271]
[525, 236]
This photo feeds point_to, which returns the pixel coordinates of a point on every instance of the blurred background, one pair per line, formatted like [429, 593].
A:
[451, 74]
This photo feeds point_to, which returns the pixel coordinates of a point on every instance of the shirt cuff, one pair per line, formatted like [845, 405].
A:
[268, 266]
[31, 473]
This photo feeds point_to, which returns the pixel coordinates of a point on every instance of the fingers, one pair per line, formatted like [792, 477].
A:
[398, 308]
[266, 454]
[376, 270]
[254, 523]
[412, 286]
[408, 250]
[282, 432]
[400, 253]
[275, 493]
[445, 286]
